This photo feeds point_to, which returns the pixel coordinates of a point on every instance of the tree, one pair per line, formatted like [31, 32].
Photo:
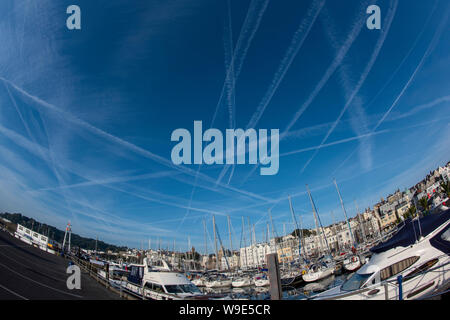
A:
[411, 212]
[445, 187]
[423, 202]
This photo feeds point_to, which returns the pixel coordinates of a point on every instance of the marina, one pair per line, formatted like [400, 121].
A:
[407, 261]
[224, 158]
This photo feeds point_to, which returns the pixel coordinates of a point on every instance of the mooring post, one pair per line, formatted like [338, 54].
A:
[386, 293]
[107, 275]
[274, 276]
[400, 287]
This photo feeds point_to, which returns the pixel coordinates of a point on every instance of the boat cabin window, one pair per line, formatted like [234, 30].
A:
[396, 268]
[154, 287]
[182, 288]
[137, 271]
[355, 281]
[446, 235]
[427, 265]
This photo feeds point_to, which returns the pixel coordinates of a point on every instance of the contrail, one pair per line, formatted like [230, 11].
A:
[334, 65]
[294, 47]
[231, 83]
[154, 175]
[145, 153]
[234, 69]
[430, 47]
[362, 79]
[41, 152]
[51, 163]
[336, 62]
[422, 107]
[249, 28]
[297, 41]
[322, 145]
[397, 69]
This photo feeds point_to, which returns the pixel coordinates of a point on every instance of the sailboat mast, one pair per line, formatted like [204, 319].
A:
[295, 226]
[360, 222]
[273, 231]
[204, 230]
[229, 234]
[316, 215]
[245, 242]
[215, 243]
[345, 213]
[249, 231]
[315, 220]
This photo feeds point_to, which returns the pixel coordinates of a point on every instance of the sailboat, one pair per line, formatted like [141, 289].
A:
[325, 266]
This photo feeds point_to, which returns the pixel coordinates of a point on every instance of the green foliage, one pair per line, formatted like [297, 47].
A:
[306, 233]
[423, 202]
[445, 187]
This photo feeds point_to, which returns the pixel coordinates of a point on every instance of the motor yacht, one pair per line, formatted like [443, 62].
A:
[160, 283]
[414, 263]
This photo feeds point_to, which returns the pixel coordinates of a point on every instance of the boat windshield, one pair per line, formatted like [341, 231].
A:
[355, 281]
[182, 288]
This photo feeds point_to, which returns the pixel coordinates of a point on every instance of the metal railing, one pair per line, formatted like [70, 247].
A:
[397, 284]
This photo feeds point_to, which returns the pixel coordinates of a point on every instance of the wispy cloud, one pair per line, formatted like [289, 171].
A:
[323, 145]
[429, 49]
[125, 144]
[352, 93]
[294, 47]
[351, 37]
[251, 24]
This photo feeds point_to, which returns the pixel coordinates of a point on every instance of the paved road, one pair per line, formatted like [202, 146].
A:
[29, 273]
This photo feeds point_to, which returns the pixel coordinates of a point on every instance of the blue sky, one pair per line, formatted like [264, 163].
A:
[86, 115]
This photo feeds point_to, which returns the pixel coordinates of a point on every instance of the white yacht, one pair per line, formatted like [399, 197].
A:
[218, 282]
[324, 268]
[317, 272]
[353, 263]
[242, 282]
[199, 282]
[261, 281]
[413, 264]
[160, 283]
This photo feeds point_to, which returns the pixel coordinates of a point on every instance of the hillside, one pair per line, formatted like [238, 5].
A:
[58, 235]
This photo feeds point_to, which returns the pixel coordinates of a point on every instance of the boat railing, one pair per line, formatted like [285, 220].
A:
[397, 284]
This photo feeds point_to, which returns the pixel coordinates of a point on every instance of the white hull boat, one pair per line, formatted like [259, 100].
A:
[413, 264]
[242, 282]
[162, 284]
[318, 274]
[352, 264]
[199, 282]
[218, 284]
